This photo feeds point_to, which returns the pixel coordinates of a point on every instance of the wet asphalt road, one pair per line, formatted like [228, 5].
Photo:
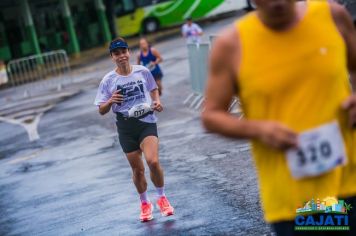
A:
[75, 180]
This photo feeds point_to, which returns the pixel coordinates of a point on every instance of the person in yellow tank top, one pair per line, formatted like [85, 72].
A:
[289, 62]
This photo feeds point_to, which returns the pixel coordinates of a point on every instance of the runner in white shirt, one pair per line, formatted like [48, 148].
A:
[131, 92]
[191, 31]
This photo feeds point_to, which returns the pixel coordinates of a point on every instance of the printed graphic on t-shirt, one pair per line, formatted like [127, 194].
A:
[133, 92]
[135, 89]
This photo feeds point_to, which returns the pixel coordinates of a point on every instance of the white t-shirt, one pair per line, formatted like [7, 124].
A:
[192, 32]
[137, 87]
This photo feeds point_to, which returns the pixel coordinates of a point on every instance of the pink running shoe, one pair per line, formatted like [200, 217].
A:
[165, 207]
[146, 211]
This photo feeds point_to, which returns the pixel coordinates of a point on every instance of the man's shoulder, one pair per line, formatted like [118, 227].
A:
[338, 10]
[109, 76]
[139, 68]
[341, 17]
[227, 46]
[228, 36]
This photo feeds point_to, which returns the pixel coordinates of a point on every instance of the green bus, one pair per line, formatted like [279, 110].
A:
[146, 16]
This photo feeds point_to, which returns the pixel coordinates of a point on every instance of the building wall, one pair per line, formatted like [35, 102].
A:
[51, 30]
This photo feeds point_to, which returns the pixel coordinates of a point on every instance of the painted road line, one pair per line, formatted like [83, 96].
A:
[30, 123]
[24, 158]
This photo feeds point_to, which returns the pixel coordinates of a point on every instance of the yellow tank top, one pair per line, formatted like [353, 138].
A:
[297, 77]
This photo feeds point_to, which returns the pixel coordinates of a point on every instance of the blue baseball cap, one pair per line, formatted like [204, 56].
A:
[117, 44]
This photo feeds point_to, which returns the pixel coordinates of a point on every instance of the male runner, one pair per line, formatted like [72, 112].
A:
[289, 62]
[131, 92]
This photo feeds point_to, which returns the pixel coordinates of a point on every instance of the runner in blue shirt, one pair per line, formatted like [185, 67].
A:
[150, 58]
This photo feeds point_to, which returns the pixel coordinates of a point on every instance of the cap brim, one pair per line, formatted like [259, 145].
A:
[117, 45]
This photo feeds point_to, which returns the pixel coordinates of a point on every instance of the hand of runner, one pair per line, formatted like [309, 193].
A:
[151, 65]
[157, 106]
[350, 105]
[117, 97]
[277, 135]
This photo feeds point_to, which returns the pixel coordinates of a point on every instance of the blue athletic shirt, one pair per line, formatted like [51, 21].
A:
[145, 61]
[136, 88]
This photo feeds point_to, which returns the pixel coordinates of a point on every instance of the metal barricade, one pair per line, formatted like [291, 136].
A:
[198, 55]
[40, 72]
[198, 63]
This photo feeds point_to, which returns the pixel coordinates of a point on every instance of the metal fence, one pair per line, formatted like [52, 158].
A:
[198, 64]
[43, 71]
[198, 55]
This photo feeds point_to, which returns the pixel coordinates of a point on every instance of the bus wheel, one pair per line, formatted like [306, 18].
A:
[250, 5]
[150, 25]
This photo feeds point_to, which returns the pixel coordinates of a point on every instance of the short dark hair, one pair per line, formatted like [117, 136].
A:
[189, 18]
[118, 43]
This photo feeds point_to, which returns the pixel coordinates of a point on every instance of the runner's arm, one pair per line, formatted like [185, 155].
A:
[220, 91]
[156, 100]
[138, 58]
[221, 88]
[106, 106]
[157, 55]
[200, 30]
[346, 27]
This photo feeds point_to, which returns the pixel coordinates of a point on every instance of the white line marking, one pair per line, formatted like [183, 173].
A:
[169, 10]
[191, 9]
[24, 158]
[32, 127]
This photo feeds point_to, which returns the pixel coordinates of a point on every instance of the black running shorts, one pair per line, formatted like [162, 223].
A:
[132, 132]
[158, 76]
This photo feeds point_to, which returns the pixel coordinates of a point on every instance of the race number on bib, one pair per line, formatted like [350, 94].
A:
[320, 150]
[139, 110]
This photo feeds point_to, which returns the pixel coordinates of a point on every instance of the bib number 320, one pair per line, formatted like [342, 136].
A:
[320, 150]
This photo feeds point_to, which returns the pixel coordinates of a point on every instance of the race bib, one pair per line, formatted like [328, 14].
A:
[320, 150]
[139, 110]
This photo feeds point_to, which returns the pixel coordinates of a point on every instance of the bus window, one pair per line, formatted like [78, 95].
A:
[124, 7]
[144, 3]
[160, 1]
